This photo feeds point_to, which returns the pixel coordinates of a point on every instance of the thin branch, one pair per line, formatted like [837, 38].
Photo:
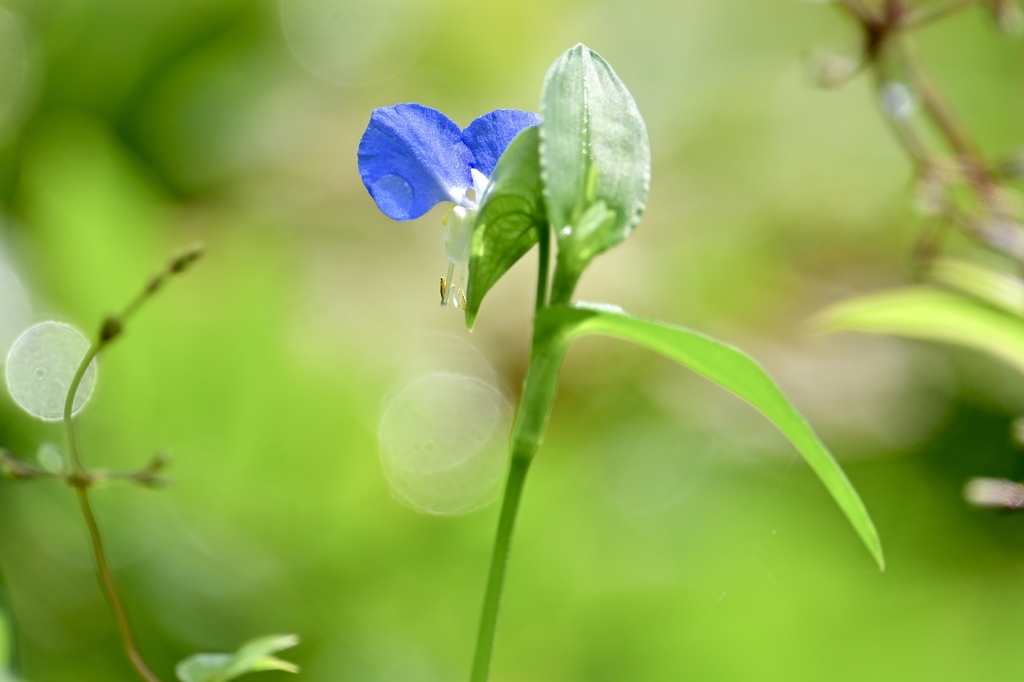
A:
[885, 40]
[81, 479]
[106, 580]
[858, 9]
[925, 15]
[956, 135]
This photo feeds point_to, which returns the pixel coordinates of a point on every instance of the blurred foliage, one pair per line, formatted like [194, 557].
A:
[666, 532]
[252, 657]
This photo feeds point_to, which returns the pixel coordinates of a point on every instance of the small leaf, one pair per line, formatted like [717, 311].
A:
[511, 218]
[203, 668]
[733, 370]
[594, 149]
[253, 656]
[934, 315]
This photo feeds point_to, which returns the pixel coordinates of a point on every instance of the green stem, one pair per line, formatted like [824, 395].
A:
[531, 420]
[106, 580]
[13, 636]
[81, 480]
[77, 466]
[544, 251]
[499, 563]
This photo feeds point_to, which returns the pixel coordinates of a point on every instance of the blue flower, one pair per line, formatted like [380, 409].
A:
[412, 157]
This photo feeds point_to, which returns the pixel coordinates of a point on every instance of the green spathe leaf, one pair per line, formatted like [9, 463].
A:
[511, 218]
[733, 370]
[253, 656]
[594, 151]
[935, 315]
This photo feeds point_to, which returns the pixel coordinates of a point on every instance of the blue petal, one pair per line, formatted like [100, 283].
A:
[488, 136]
[410, 158]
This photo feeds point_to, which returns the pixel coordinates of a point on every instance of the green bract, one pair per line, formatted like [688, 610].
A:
[510, 221]
[585, 175]
[596, 162]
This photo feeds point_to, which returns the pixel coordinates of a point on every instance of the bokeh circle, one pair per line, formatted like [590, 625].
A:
[41, 365]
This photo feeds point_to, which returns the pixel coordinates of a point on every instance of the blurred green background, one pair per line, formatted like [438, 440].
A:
[667, 532]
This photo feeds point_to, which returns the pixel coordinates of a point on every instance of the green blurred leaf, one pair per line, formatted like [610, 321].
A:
[596, 161]
[10, 666]
[733, 370]
[5, 644]
[996, 288]
[254, 656]
[511, 218]
[934, 315]
[95, 212]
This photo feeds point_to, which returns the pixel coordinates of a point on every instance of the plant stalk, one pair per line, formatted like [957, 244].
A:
[81, 481]
[499, 563]
[106, 580]
[527, 432]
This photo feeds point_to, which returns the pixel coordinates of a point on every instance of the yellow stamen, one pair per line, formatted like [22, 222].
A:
[446, 285]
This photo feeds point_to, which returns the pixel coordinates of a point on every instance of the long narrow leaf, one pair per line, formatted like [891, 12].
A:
[934, 315]
[735, 371]
[999, 289]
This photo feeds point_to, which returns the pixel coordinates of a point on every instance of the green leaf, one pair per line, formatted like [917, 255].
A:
[203, 668]
[511, 219]
[934, 315]
[596, 161]
[253, 656]
[996, 288]
[733, 370]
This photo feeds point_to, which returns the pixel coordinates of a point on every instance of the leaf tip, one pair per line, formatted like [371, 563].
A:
[874, 545]
[878, 555]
